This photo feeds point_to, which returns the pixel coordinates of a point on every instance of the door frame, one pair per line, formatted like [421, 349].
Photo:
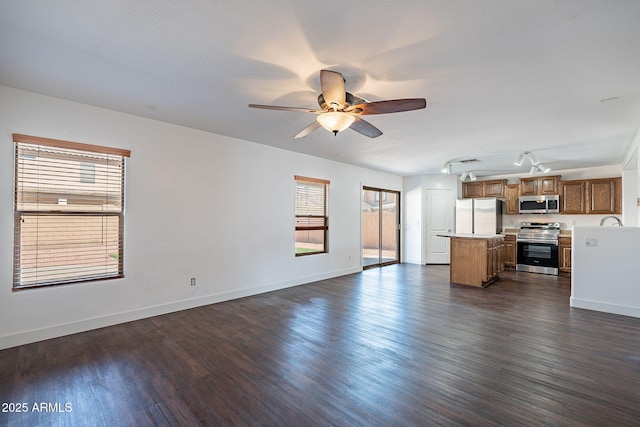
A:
[398, 227]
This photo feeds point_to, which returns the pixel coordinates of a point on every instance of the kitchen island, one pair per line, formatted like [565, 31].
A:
[476, 259]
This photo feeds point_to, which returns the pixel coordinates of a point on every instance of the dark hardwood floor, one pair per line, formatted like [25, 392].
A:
[388, 347]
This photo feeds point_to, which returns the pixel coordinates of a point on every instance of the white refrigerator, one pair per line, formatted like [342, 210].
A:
[479, 215]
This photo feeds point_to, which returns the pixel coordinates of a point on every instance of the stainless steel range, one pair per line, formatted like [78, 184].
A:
[538, 247]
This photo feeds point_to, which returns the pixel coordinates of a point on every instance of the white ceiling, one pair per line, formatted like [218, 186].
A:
[560, 78]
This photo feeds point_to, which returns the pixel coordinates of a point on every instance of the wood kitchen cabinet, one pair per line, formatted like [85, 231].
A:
[510, 251]
[540, 186]
[604, 196]
[472, 189]
[591, 196]
[476, 261]
[492, 188]
[564, 255]
[573, 200]
[495, 259]
[512, 192]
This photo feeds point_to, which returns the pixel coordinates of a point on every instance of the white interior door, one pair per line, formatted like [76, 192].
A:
[439, 219]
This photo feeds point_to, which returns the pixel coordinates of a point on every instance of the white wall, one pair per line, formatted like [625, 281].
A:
[629, 197]
[605, 277]
[412, 220]
[414, 190]
[197, 205]
[631, 184]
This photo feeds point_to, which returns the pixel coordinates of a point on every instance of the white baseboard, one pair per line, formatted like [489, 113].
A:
[605, 307]
[142, 313]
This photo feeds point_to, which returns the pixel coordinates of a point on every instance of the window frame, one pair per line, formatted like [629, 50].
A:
[324, 218]
[102, 154]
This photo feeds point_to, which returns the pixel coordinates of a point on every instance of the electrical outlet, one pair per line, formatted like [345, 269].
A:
[193, 281]
[591, 242]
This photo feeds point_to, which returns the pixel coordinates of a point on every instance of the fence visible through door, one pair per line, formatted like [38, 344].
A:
[380, 227]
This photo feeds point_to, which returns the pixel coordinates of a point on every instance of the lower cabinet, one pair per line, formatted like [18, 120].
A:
[510, 251]
[564, 255]
[476, 261]
[495, 264]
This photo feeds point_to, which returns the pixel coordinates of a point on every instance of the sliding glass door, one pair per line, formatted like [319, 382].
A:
[380, 227]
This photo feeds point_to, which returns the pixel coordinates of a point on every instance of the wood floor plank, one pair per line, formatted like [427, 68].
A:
[396, 345]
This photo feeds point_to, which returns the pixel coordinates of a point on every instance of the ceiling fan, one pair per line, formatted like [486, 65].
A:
[340, 109]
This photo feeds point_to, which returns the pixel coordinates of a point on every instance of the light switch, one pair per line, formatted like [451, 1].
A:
[591, 241]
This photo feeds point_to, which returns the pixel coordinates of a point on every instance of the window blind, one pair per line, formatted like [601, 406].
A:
[311, 215]
[69, 212]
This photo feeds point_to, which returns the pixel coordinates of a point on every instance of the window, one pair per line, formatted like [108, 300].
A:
[68, 212]
[312, 221]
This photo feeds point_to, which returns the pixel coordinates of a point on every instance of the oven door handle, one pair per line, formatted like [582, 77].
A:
[550, 242]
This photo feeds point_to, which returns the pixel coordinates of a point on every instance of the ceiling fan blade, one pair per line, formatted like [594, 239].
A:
[306, 131]
[276, 107]
[391, 106]
[333, 89]
[365, 128]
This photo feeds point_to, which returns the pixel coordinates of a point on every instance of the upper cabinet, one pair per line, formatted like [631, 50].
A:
[592, 196]
[512, 192]
[540, 186]
[472, 189]
[573, 200]
[602, 196]
[493, 188]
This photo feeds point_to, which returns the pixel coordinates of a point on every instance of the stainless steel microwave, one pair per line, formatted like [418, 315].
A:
[539, 204]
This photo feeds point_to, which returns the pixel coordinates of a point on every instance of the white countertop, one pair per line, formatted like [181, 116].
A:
[471, 236]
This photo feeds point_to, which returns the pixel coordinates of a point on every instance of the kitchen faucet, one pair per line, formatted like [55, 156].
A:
[618, 220]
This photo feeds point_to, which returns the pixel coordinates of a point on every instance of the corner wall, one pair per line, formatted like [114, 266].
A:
[197, 205]
[604, 275]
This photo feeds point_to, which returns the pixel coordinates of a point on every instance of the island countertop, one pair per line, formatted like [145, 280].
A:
[470, 235]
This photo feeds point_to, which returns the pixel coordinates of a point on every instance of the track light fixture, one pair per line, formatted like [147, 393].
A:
[447, 167]
[539, 167]
[535, 164]
[471, 175]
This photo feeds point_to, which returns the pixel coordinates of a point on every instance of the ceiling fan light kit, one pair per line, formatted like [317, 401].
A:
[335, 121]
[340, 110]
